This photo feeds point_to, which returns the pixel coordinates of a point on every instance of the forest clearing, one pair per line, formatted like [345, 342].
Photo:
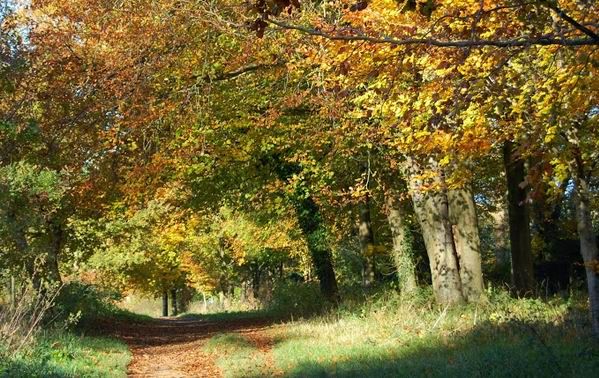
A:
[299, 188]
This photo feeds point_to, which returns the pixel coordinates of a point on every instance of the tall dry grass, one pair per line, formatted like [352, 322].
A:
[21, 318]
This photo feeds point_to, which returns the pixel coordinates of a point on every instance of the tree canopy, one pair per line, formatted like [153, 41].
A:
[215, 145]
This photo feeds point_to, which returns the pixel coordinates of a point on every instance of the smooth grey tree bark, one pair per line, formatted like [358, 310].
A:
[462, 213]
[432, 211]
[588, 247]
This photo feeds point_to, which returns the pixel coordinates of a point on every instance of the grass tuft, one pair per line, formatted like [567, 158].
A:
[403, 337]
[236, 356]
[64, 354]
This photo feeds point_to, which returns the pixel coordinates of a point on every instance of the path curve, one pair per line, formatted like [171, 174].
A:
[172, 347]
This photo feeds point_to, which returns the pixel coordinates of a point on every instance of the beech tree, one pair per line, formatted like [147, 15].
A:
[181, 124]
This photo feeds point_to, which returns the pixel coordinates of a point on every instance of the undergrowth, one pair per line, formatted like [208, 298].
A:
[388, 335]
[234, 354]
[50, 340]
[65, 354]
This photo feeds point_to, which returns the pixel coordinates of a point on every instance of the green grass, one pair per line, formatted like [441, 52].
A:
[58, 347]
[392, 337]
[236, 356]
[228, 316]
[64, 354]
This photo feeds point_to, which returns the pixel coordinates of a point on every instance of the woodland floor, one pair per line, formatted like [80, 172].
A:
[174, 347]
[385, 337]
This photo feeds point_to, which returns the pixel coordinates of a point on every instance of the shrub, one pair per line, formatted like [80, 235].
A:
[297, 299]
[81, 304]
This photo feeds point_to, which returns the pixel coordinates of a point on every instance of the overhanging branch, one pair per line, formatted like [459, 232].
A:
[475, 43]
[238, 72]
[564, 16]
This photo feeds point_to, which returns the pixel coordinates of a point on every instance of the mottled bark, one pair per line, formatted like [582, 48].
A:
[402, 248]
[519, 222]
[13, 291]
[432, 211]
[588, 248]
[366, 236]
[462, 213]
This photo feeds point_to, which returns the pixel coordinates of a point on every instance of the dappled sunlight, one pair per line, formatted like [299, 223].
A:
[357, 188]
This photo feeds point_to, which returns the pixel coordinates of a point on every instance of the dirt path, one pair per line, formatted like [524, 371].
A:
[171, 348]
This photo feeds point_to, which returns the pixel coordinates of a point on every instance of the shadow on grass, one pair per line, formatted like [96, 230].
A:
[228, 316]
[63, 354]
[31, 369]
[512, 349]
[168, 331]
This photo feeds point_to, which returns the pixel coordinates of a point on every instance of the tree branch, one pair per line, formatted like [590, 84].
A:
[478, 43]
[238, 72]
[560, 12]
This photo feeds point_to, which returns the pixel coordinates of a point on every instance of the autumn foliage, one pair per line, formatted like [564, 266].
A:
[223, 145]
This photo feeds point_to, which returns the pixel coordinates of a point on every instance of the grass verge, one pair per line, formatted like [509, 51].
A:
[65, 354]
[236, 356]
[393, 337]
[228, 316]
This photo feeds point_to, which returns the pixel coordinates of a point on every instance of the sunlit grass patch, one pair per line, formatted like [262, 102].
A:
[227, 316]
[504, 337]
[62, 354]
[228, 343]
[236, 356]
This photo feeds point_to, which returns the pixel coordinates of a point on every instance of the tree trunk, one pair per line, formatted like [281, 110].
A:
[432, 211]
[174, 305]
[312, 227]
[366, 236]
[256, 276]
[519, 222]
[588, 248]
[221, 300]
[13, 291]
[165, 303]
[310, 222]
[402, 246]
[462, 212]
[182, 300]
[57, 237]
[22, 245]
[501, 237]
